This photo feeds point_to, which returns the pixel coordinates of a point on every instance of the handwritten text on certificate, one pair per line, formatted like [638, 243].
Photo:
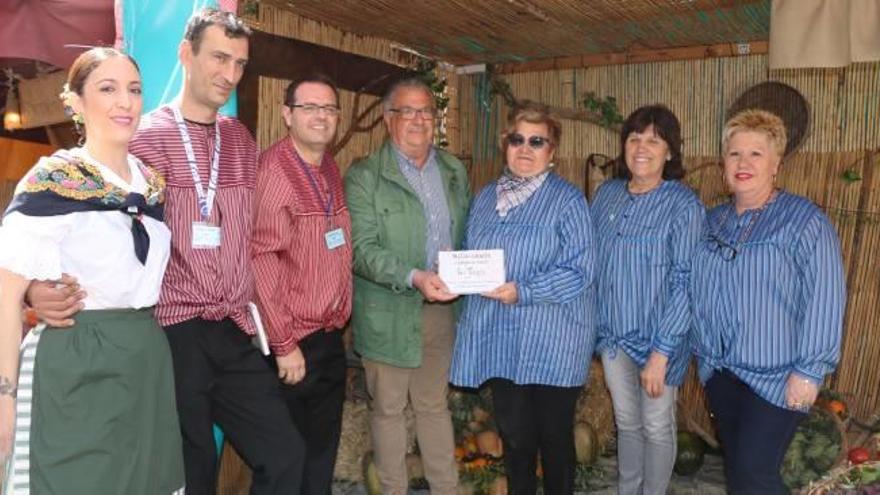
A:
[472, 272]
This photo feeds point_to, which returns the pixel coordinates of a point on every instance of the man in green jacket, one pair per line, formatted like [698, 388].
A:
[408, 201]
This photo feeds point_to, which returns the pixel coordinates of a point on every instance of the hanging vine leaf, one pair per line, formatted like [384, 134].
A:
[609, 114]
[602, 112]
[426, 71]
[850, 175]
[250, 7]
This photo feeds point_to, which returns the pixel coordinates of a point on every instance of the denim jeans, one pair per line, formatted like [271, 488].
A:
[646, 440]
[754, 434]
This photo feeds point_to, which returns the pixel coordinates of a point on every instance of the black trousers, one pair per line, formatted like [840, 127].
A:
[315, 404]
[220, 377]
[754, 434]
[534, 418]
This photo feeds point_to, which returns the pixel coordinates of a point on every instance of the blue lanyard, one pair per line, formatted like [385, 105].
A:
[328, 209]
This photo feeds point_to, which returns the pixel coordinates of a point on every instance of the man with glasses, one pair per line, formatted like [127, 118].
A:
[408, 201]
[301, 250]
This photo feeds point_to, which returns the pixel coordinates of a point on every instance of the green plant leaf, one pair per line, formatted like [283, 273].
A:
[850, 175]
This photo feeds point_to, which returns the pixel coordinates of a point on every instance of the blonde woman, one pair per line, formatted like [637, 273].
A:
[768, 294]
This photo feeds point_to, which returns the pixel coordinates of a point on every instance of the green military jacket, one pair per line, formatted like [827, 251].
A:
[388, 237]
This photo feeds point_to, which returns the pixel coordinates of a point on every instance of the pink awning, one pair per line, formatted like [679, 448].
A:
[44, 29]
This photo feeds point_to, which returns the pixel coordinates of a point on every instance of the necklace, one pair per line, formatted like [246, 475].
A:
[744, 235]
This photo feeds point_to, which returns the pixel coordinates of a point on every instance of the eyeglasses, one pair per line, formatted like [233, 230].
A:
[312, 109]
[409, 113]
[535, 142]
[723, 249]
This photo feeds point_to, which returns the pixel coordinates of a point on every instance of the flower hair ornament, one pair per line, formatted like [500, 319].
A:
[66, 96]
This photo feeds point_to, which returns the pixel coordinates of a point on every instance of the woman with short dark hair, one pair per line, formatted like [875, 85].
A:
[647, 225]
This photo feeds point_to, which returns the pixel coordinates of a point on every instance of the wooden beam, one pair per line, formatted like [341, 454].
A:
[637, 57]
[248, 94]
[280, 57]
[287, 58]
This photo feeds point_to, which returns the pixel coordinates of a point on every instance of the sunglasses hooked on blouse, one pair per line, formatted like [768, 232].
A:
[535, 142]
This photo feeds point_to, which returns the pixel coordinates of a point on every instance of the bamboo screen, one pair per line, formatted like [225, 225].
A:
[844, 134]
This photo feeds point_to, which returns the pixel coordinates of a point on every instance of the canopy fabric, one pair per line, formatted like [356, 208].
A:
[54, 31]
[823, 33]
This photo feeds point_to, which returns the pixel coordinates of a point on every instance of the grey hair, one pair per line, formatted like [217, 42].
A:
[408, 83]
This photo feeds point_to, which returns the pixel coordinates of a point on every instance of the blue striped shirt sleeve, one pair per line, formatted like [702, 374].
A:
[675, 321]
[573, 270]
[824, 293]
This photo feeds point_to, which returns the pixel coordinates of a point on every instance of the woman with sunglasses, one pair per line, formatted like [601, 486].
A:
[768, 296]
[647, 225]
[531, 338]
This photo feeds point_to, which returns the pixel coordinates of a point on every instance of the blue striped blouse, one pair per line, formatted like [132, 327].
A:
[776, 306]
[645, 243]
[547, 337]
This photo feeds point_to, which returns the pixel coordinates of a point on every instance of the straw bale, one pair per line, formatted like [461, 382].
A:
[354, 441]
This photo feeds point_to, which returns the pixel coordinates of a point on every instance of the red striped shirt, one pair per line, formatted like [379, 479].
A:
[302, 286]
[212, 284]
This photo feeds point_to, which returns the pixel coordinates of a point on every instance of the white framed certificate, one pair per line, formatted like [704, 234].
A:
[471, 272]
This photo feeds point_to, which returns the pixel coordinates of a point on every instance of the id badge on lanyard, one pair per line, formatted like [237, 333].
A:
[333, 237]
[204, 234]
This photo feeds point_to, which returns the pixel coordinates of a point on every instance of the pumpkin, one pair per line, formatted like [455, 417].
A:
[837, 407]
[470, 446]
[371, 475]
[489, 443]
[459, 453]
[586, 445]
[690, 454]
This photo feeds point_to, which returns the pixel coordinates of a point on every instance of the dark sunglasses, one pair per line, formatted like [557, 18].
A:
[535, 142]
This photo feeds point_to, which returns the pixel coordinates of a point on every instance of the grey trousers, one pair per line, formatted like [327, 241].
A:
[646, 436]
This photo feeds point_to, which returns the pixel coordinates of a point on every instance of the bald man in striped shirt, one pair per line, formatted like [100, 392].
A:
[301, 250]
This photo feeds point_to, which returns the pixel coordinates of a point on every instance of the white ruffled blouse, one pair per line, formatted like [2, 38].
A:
[93, 246]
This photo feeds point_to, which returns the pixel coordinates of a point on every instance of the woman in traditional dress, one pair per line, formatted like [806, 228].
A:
[90, 409]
